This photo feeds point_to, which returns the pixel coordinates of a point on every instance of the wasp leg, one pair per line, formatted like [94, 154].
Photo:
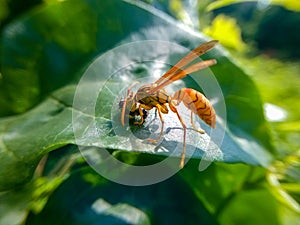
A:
[173, 108]
[201, 131]
[123, 111]
[122, 104]
[141, 115]
[159, 109]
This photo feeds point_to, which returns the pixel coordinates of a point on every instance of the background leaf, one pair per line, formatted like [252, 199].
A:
[84, 208]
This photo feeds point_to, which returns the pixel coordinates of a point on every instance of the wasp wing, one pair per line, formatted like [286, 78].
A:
[200, 50]
[183, 73]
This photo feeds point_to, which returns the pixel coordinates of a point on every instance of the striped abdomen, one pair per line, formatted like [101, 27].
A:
[198, 104]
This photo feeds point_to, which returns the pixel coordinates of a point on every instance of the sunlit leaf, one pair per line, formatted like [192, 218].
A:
[289, 4]
[271, 76]
[227, 31]
[222, 3]
[50, 126]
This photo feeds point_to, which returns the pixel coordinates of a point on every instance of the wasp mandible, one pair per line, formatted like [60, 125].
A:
[153, 95]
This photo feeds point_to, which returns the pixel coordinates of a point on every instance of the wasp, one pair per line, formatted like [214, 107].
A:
[153, 95]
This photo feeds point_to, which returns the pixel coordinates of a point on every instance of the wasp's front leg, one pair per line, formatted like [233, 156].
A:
[141, 113]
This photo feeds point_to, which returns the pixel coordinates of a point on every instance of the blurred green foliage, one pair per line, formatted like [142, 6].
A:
[46, 46]
[269, 28]
[227, 31]
[289, 4]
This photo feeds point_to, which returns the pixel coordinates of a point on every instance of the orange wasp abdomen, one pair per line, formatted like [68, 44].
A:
[197, 103]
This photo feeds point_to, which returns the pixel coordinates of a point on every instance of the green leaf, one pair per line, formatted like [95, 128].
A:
[50, 126]
[4, 10]
[15, 204]
[242, 207]
[231, 192]
[40, 52]
[87, 198]
[46, 48]
[26, 138]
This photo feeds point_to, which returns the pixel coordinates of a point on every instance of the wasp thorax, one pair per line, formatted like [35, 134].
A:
[143, 92]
